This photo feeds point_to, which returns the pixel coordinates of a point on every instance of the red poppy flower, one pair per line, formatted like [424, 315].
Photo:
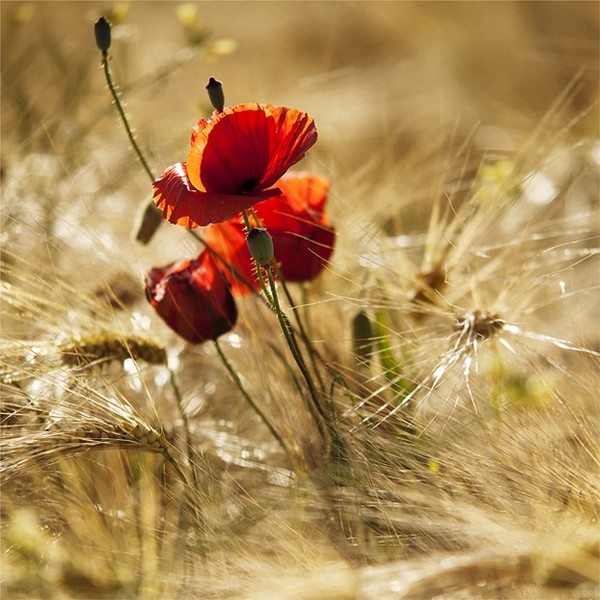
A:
[301, 233]
[193, 298]
[236, 157]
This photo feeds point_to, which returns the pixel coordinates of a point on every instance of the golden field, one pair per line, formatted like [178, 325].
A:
[461, 142]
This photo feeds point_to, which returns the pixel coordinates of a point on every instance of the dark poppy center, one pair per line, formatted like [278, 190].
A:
[248, 186]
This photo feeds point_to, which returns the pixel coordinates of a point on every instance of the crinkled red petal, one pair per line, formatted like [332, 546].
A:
[293, 133]
[184, 205]
[232, 152]
[300, 206]
[229, 241]
[247, 148]
[302, 258]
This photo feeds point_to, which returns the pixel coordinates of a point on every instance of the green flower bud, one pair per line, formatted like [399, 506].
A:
[260, 244]
[215, 94]
[102, 33]
[362, 338]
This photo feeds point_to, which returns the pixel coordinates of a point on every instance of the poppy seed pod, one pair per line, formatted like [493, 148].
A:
[260, 244]
[102, 33]
[215, 93]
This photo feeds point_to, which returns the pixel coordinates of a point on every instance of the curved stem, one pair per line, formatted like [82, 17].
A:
[186, 425]
[321, 417]
[301, 330]
[250, 401]
[119, 106]
[152, 217]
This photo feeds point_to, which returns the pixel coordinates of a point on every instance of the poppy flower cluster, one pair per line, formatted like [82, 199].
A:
[238, 159]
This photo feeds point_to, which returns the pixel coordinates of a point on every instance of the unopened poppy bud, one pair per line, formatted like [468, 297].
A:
[193, 298]
[102, 33]
[362, 338]
[260, 244]
[215, 93]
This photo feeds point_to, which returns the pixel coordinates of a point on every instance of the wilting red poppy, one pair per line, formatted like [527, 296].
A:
[193, 298]
[296, 220]
[236, 157]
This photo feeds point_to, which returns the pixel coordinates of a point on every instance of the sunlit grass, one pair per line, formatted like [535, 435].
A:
[455, 332]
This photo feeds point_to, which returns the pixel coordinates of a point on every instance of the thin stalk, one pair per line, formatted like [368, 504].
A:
[305, 303]
[177, 468]
[194, 491]
[303, 333]
[152, 217]
[321, 418]
[119, 106]
[247, 220]
[186, 424]
[251, 402]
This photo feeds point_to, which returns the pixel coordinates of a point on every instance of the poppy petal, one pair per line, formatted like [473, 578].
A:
[302, 258]
[301, 203]
[183, 205]
[229, 241]
[305, 191]
[247, 148]
[238, 152]
[292, 134]
[303, 239]
[197, 129]
[193, 298]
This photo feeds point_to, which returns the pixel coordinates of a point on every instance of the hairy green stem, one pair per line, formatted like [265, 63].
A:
[316, 410]
[119, 106]
[152, 217]
[320, 416]
[301, 329]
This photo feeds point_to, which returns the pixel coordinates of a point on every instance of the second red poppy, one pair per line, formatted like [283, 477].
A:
[296, 219]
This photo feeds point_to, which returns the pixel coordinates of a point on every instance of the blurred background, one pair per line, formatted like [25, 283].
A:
[398, 91]
[381, 78]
